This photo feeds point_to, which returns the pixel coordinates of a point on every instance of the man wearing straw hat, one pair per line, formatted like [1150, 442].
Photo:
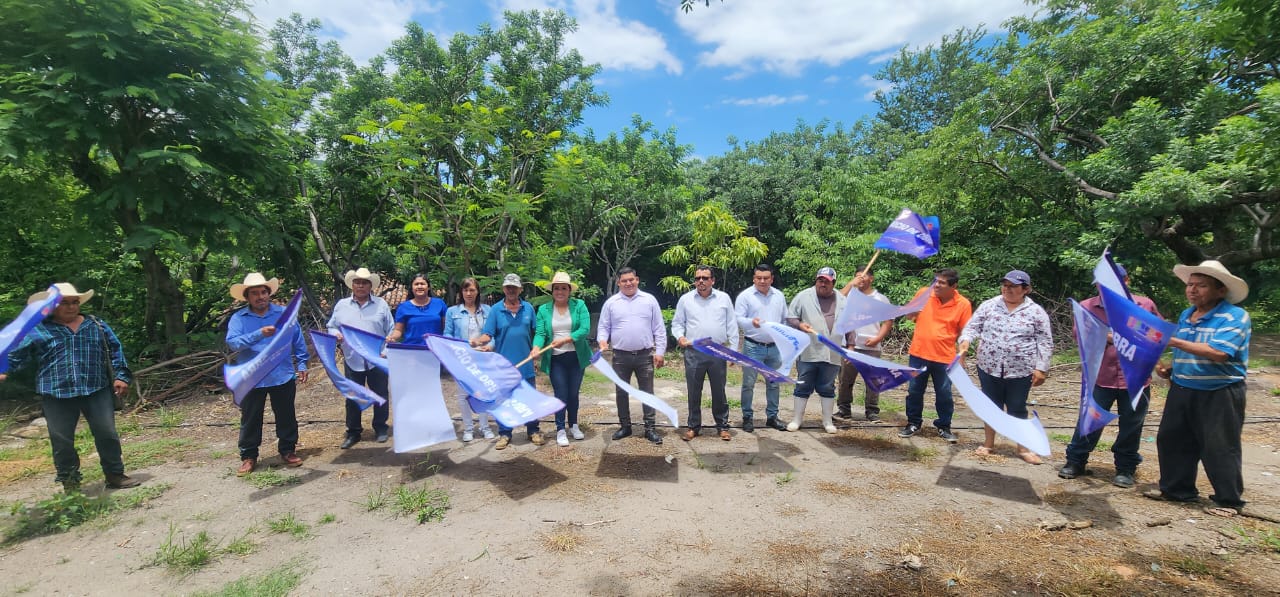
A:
[365, 311]
[1204, 411]
[248, 332]
[79, 366]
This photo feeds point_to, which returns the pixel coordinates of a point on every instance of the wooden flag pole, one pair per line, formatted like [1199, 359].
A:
[533, 356]
[870, 263]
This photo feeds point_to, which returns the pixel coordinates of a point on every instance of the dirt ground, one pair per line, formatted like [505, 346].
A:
[773, 513]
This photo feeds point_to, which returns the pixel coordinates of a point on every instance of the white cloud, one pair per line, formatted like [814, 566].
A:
[606, 38]
[784, 37]
[831, 79]
[364, 28]
[767, 100]
[874, 85]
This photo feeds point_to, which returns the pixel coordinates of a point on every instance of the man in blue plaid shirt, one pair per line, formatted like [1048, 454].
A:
[79, 366]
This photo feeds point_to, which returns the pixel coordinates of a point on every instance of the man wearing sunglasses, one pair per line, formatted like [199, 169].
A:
[705, 312]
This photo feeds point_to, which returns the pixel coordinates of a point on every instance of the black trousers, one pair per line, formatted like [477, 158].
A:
[639, 362]
[1202, 427]
[697, 367]
[251, 411]
[376, 380]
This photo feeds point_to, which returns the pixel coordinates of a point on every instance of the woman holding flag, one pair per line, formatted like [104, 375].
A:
[1014, 348]
[560, 337]
[465, 321]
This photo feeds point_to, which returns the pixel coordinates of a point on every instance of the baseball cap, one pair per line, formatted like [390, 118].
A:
[512, 280]
[827, 273]
[1018, 276]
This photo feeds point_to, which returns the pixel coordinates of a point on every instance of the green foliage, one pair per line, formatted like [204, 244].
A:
[66, 511]
[717, 241]
[288, 523]
[277, 582]
[425, 504]
[271, 478]
[186, 556]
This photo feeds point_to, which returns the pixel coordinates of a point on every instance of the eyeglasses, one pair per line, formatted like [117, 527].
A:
[701, 278]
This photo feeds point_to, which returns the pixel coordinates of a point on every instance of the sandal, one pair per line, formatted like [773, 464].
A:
[982, 451]
[1222, 511]
[1030, 458]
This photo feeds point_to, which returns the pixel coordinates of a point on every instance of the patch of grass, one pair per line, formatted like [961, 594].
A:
[32, 450]
[290, 524]
[270, 478]
[784, 478]
[1061, 438]
[562, 540]
[734, 405]
[376, 499]
[149, 453]
[185, 556]
[1260, 536]
[129, 426]
[277, 582]
[425, 504]
[922, 454]
[327, 518]
[66, 511]
[168, 419]
[240, 546]
[220, 454]
[1103, 446]
[1190, 564]
[1275, 391]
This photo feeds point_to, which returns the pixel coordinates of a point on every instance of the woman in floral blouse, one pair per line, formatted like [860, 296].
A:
[1014, 348]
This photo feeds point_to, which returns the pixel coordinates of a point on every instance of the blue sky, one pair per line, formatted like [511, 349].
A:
[738, 68]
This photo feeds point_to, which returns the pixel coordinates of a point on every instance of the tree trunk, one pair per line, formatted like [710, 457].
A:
[165, 298]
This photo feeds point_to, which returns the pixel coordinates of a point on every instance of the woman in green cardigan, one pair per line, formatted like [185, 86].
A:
[564, 324]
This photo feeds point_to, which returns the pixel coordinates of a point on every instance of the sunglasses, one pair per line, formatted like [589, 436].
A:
[701, 278]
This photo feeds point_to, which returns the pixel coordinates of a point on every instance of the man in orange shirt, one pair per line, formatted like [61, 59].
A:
[933, 346]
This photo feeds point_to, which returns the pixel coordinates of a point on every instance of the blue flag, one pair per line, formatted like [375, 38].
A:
[1091, 339]
[860, 309]
[11, 336]
[366, 344]
[720, 351]
[242, 378]
[486, 376]
[1139, 338]
[327, 349]
[880, 375]
[525, 404]
[911, 234]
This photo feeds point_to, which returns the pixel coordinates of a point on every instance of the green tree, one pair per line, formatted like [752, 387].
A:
[716, 240]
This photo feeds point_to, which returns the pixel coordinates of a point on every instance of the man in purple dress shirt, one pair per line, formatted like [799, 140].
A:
[631, 324]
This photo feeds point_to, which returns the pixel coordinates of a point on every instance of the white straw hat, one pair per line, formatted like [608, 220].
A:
[251, 280]
[1237, 289]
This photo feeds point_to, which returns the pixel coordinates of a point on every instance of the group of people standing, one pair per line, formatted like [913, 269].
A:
[80, 364]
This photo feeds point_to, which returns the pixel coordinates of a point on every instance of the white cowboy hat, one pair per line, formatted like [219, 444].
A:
[363, 274]
[562, 278]
[251, 280]
[65, 290]
[1237, 289]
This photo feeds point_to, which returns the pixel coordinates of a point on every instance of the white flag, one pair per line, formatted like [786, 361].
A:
[417, 400]
[646, 398]
[790, 342]
[1026, 432]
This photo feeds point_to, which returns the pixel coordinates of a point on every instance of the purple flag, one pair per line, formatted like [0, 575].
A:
[242, 378]
[487, 376]
[11, 336]
[366, 344]
[880, 375]
[1091, 339]
[720, 351]
[327, 349]
[911, 234]
[1139, 337]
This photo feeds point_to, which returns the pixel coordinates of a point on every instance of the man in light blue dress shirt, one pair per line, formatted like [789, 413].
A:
[756, 306]
[705, 312]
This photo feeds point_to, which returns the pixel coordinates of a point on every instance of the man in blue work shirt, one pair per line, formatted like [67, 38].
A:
[509, 331]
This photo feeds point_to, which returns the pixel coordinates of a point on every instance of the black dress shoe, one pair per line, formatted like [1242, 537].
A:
[622, 432]
[349, 441]
[749, 426]
[774, 423]
[651, 434]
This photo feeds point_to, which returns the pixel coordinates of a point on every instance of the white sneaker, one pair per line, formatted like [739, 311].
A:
[576, 433]
[467, 436]
[562, 438]
[488, 433]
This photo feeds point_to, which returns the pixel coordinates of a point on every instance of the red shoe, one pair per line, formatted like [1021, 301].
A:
[291, 460]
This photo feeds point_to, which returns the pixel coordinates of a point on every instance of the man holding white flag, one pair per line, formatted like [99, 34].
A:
[756, 307]
[366, 311]
[705, 312]
[866, 340]
[814, 311]
[933, 346]
[631, 323]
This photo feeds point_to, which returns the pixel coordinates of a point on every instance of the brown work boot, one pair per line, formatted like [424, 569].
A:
[246, 466]
[121, 481]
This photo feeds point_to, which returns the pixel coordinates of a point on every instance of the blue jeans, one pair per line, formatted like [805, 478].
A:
[769, 355]
[811, 376]
[943, 402]
[566, 381]
[1128, 438]
[62, 415]
[531, 427]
